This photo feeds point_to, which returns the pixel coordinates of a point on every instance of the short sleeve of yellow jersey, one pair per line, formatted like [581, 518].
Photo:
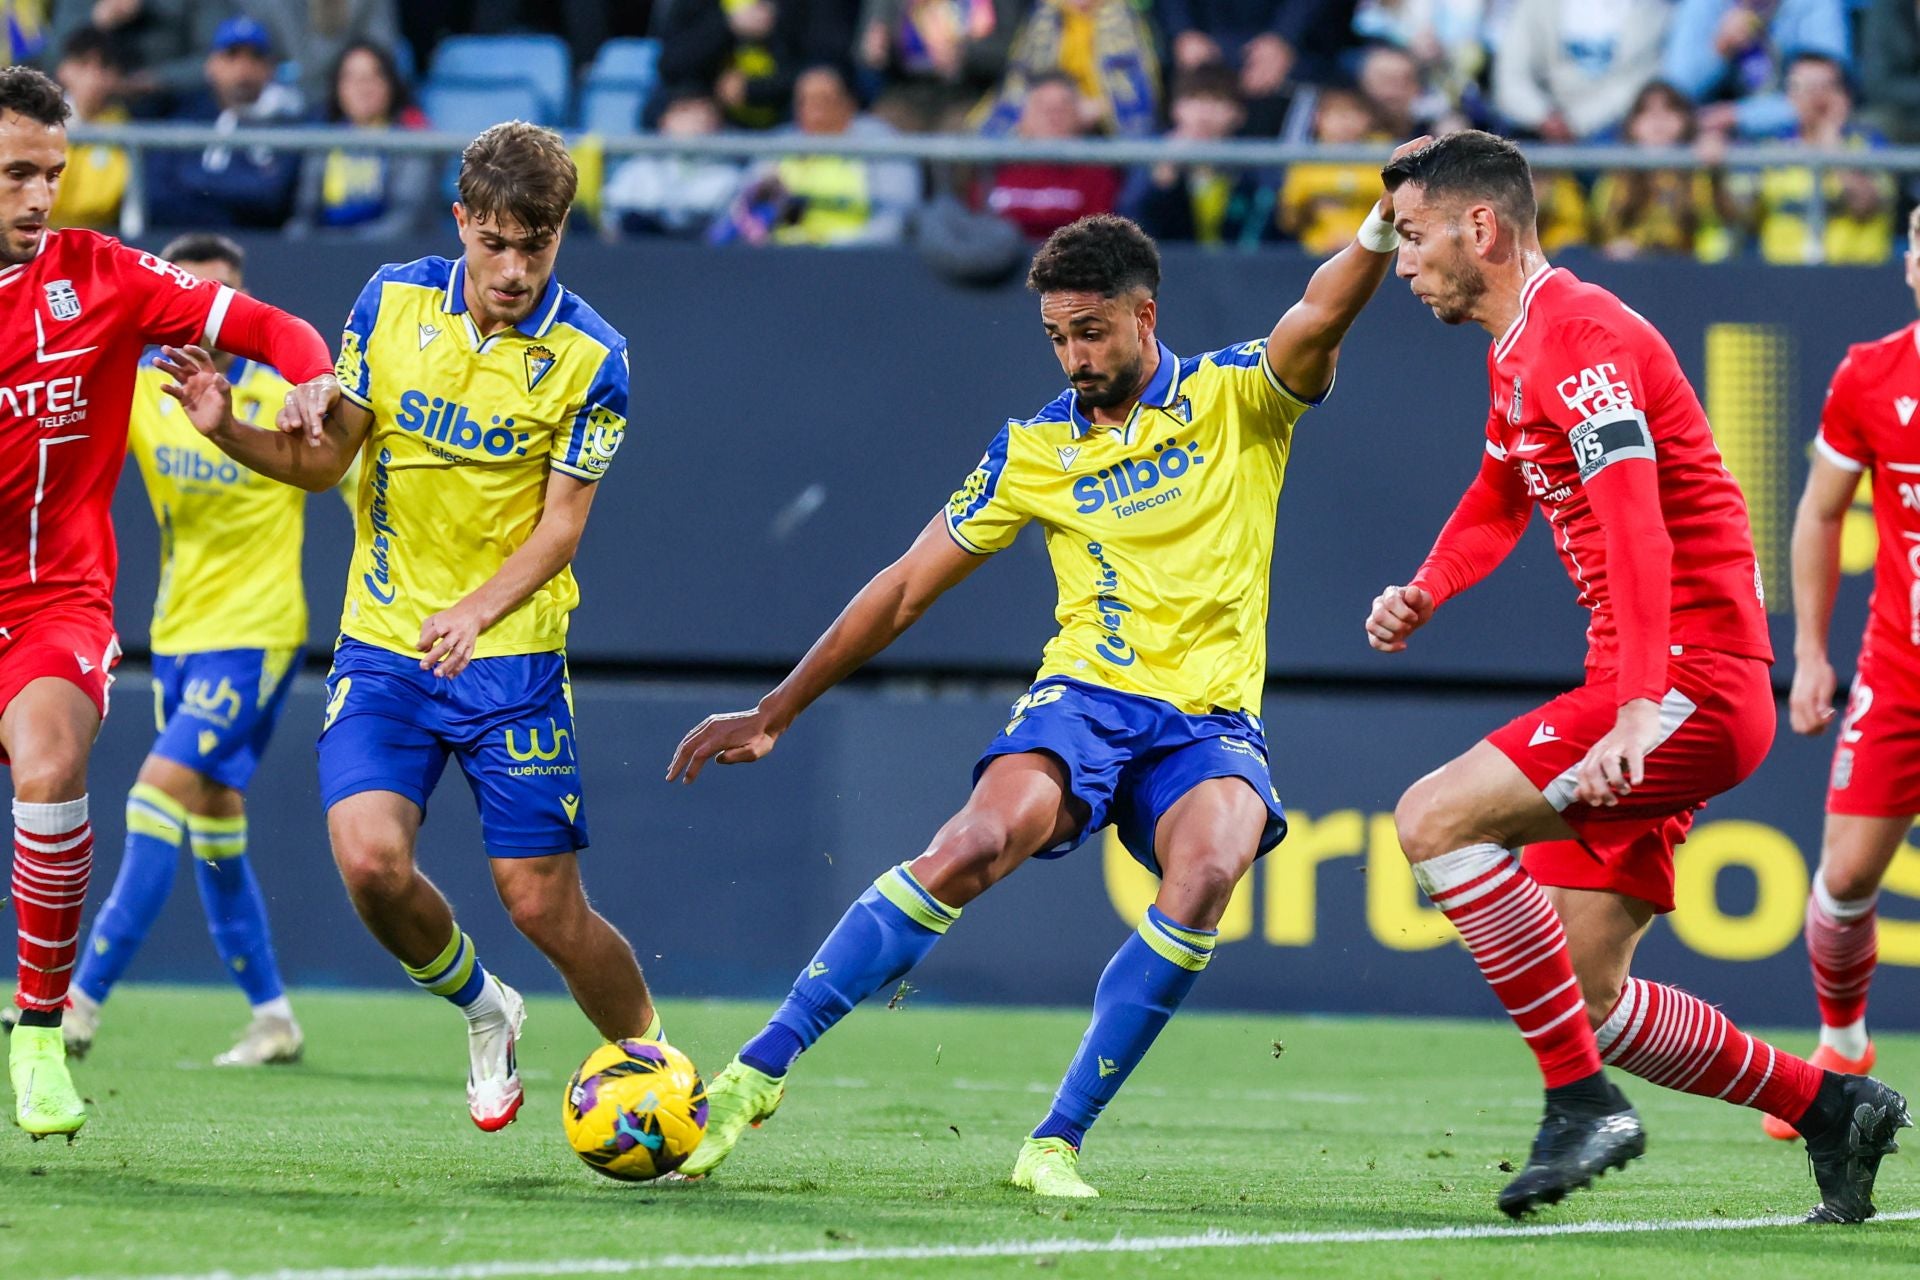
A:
[586, 450]
[1241, 375]
[356, 379]
[985, 514]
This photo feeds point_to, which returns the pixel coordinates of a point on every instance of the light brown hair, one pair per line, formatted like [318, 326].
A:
[520, 171]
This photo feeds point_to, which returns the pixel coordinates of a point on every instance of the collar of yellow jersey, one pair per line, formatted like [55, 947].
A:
[1162, 389]
[537, 321]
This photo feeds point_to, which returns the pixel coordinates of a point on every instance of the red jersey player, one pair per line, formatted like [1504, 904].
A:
[1592, 419]
[1873, 793]
[79, 308]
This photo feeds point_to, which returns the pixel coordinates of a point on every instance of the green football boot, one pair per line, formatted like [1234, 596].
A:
[1051, 1167]
[738, 1098]
[44, 1101]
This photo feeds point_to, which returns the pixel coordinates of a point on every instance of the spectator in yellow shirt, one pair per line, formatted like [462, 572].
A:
[1644, 213]
[1322, 202]
[90, 70]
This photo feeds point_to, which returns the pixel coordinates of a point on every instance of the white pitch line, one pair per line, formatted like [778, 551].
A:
[1001, 1249]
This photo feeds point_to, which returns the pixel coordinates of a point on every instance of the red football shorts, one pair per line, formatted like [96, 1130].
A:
[1716, 723]
[72, 644]
[1876, 762]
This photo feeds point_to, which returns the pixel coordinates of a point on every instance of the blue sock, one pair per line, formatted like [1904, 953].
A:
[1143, 984]
[455, 975]
[156, 828]
[888, 930]
[236, 913]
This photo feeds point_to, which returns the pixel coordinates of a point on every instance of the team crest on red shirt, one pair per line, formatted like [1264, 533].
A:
[62, 302]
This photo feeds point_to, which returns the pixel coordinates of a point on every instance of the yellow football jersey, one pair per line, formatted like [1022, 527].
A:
[465, 431]
[229, 539]
[1160, 531]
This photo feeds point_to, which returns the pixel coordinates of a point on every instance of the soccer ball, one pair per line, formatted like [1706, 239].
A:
[635, 1109]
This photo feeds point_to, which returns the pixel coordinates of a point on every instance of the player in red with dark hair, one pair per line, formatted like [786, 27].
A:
[1873, 793]
[78, 310]
[1592, 419]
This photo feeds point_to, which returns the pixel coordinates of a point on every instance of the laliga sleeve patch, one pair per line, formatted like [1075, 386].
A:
[1611, 437]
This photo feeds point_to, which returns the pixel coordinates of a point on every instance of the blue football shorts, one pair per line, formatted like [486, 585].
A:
[215, 711]
[509, 721]
[1130, 758]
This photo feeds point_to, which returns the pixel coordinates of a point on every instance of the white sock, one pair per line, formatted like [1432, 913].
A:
[1841, 909]
[278, 1007]
[487, 1008]
[1849, 1041]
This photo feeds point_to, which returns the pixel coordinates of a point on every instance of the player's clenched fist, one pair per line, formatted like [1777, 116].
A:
[1397, 613]
[737, 737]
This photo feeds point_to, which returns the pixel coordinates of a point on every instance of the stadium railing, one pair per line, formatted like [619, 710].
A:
[972, 149]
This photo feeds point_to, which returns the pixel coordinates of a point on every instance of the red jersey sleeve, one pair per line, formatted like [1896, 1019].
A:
[1841, 440]
[1599, 397]
[1491, 516]
[171, 305]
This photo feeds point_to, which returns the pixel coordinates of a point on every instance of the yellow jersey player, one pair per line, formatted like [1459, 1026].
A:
[1155, 479]
[489, 401]
[228, 626]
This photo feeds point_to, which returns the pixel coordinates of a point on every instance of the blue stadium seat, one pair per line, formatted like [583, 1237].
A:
[612, 108]
[540, 61]
[469, 106]
[627, 58]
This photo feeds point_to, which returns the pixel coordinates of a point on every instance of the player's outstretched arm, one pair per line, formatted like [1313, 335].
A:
[1816, 577]
[1305, 346]
[315, 465]
[894, 600]
[447, 638]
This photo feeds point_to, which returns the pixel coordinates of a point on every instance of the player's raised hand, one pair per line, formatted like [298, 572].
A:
[447, 639]
[736, 737]
[1810, 705]
[1397, 613]
[202, 390]
[305, 410]
[1386, 197]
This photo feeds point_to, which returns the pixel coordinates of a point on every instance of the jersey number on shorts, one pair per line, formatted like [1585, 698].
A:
[1034, 698]
[334, 702]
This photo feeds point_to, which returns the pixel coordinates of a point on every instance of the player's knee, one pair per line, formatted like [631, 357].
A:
[1848, 880]
[1422, 822]
[547, 921]
[373, 869]
[51, 776]
[1201, 889]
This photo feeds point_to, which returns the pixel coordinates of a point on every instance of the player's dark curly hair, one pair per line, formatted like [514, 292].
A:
[1474, 165]
[205, 246]
[1103, 253]
[32, 93]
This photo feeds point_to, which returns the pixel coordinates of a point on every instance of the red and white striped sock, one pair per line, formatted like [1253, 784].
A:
[1516, 939]
[1843, 942]
[52, 861]
[1679, 1041]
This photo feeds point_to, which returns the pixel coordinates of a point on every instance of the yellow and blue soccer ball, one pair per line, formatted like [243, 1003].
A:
[635, 1109]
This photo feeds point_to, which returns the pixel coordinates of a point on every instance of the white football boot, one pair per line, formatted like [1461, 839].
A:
[493, 1074]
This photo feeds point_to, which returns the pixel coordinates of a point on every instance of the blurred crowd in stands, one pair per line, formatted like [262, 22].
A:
[1699, 74]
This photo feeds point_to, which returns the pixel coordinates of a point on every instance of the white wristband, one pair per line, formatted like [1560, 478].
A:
[1376, 234]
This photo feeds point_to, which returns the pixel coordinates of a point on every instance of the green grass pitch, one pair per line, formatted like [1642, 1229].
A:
[898, 1133]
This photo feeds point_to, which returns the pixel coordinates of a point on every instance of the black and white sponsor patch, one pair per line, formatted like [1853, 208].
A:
[1607, 438]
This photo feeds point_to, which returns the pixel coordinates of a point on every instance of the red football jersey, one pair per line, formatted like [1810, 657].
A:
[1581, 382]
[76, 319]
[1865, 427]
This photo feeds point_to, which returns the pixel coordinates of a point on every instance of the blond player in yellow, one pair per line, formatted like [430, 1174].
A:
[228, 626]
[1155, 479]
[489, 400]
